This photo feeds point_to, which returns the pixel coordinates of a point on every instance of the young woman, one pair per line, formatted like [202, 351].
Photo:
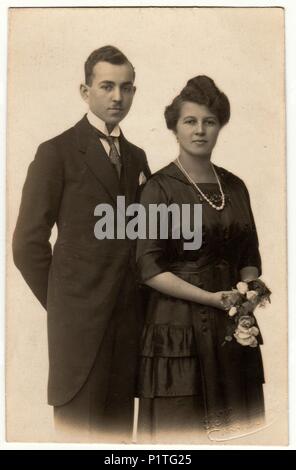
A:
[189, 378]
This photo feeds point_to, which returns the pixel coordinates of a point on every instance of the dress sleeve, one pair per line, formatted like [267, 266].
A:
[151, 254]
[250, 255]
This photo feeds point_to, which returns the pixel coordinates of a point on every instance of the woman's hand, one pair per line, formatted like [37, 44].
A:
[215, 299]
[169, 284]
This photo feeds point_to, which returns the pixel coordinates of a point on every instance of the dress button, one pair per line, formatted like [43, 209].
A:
[204, 329]
[204, 320]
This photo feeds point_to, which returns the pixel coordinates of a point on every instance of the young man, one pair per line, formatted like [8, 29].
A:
[86, 285]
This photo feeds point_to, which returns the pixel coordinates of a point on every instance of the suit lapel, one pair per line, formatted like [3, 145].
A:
[131, 170]
[96, 158]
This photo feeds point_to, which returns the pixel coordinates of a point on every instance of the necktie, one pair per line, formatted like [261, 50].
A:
[113, 153]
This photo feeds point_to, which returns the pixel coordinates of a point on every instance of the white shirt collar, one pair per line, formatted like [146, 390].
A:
[101, 125]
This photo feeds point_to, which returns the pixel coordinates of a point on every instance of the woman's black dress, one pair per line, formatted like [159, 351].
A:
[189, 377]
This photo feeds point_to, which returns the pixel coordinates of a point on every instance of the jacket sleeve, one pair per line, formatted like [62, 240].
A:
[38, 213]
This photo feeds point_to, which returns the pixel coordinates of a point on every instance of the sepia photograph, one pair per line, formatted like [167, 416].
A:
[146, 233]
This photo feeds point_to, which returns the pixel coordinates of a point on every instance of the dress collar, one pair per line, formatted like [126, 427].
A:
[174, 171]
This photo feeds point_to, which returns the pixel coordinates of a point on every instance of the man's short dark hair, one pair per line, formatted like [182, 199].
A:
[201, 90]
[104, 54]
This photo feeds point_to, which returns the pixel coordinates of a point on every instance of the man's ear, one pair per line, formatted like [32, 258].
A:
[84, 91]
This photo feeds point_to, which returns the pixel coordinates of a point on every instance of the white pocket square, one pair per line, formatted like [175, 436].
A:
[142, 178]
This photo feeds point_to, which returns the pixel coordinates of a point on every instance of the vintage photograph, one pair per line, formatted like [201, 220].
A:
[146, 230]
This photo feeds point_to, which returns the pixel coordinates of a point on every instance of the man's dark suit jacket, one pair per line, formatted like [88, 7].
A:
[79, 282]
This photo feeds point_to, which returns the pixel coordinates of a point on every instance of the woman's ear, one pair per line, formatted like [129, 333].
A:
[175, 134]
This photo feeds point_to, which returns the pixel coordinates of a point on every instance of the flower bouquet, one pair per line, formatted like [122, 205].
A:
[241, 303]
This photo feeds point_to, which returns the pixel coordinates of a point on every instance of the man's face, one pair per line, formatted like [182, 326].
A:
[111, 92]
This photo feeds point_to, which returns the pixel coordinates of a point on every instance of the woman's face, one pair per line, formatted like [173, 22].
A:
[197, 129]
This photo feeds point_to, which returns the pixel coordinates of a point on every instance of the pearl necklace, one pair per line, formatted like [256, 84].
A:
[218, 208]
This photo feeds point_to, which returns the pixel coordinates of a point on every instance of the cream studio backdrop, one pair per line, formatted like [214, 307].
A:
[242, 49]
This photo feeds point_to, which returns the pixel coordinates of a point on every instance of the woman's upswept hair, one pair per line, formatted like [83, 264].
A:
[201, 90]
